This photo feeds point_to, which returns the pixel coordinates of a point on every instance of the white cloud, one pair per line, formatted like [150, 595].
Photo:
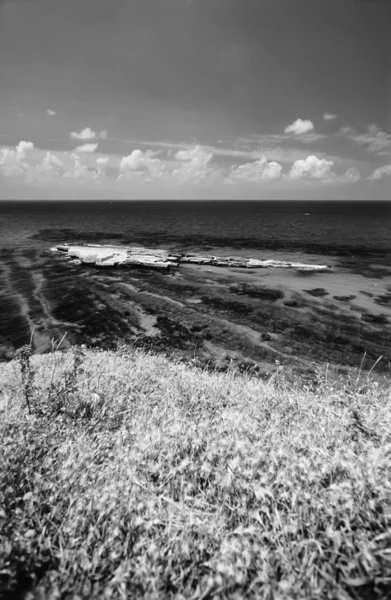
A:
[102, 164]
[195, 164]
[352, 175]
[347, 130]
[13, 160]
[259, 170]
[50, 163]
[189, 167]
[380, 172]
[329, 116]
[35, 166]
[245, 148]
[79, 170]
[137, 161]
[88, 134]
[140, 163]
[51, 113]
[85, 134]
[299, 127]
[86, 148]
[375, 140]
[195, 155]
[311, 168]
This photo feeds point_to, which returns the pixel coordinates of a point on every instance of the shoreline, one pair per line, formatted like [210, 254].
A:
[255, 318]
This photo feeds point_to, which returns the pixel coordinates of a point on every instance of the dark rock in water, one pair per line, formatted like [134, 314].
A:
[368, 294]
[256, 291]
[378, 319]
[292, 303]
[384, 300]
[305, 272]
[344, 298]
[317, 292]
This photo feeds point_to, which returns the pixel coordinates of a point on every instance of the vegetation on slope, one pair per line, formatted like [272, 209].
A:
[125, 475]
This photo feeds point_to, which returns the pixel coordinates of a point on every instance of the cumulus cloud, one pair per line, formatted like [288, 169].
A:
[311, 168]
[140, 163]
[195, 164]
[197, 155]
[79, 170]
[257, 171]
[299, 127]
[102, 164]
[380, 172]
[36, 166]
[86, 148]
[352, 175]
[137, 161]
[88, 134]
[50, 163]
[329, 116]
[13, 160]
[50, 113]
[189, 166]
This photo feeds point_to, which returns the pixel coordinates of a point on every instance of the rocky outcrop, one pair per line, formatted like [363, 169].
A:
[113, 256]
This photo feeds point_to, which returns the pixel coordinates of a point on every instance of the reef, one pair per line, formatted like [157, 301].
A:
[138, 256]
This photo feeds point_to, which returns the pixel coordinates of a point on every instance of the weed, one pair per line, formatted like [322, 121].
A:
[142, 477]
[23, 356]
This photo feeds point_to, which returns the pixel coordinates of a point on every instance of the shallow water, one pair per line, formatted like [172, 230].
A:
[253, 316]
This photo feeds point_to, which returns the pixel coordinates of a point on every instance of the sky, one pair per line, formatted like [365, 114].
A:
[252, 99]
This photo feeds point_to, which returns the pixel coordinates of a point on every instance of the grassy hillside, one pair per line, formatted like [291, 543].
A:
[125, 475]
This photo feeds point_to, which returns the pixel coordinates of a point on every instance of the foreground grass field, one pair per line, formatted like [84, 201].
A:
[125, 475]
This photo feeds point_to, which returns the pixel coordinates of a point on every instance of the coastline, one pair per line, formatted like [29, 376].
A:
[254, 318]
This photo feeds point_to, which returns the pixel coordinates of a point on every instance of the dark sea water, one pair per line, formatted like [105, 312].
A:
[274, 224]
[214, 315]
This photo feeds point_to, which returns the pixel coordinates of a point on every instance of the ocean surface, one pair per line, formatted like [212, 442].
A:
[214, 315]
[261, 224]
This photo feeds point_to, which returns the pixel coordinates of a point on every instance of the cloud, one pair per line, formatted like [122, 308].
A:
[78, 170]
[257, 171]
[86, 148]
[85, 134]
[88, 134]
[319, 169]
[329, 116]
[375, 140]
[51, 113]
[299, 127]
[311, 168]
[102, 164]
[13, 160]
[31, 165]
[195, 164]
[380, 172]
[190, 168]
[50, 163]
[195, 155]
[352, 175]
[250, 148]
[347, 130]
[137, 161]
[140, 163]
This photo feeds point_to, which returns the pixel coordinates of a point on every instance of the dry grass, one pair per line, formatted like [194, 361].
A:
[135, 477]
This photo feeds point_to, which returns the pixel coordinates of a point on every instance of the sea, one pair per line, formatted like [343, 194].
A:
[334, 316]
[276, 224]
